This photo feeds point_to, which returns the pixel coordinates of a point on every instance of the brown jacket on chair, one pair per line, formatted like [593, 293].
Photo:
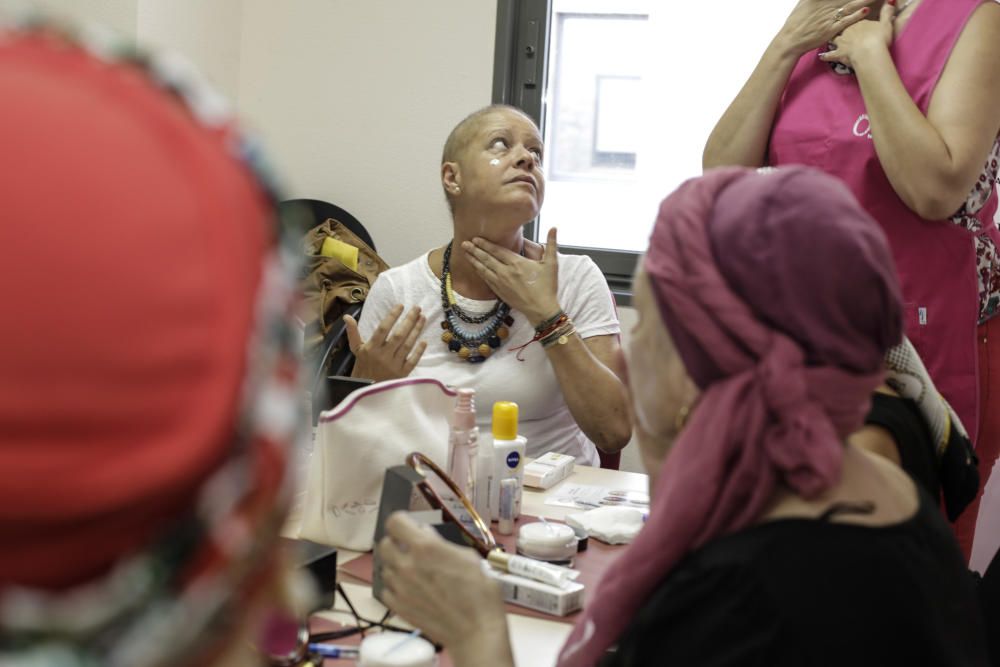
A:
[328, 285]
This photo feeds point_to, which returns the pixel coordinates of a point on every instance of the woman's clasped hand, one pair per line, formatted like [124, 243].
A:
[862, 38]
[814, 23]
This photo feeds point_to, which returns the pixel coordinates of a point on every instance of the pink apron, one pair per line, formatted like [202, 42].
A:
[822, 122]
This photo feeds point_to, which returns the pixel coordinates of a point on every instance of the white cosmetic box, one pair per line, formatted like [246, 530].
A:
[535, 595]
[548, 470]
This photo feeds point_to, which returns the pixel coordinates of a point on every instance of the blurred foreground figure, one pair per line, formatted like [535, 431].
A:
[147, 380]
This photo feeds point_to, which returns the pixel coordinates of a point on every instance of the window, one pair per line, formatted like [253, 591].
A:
[626, 93]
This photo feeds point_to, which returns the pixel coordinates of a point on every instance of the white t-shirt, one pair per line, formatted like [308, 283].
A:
[545, 419]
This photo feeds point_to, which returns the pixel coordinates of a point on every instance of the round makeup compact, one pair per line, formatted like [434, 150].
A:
[552, 542]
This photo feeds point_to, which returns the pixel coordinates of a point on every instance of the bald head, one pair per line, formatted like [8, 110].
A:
[466, 129]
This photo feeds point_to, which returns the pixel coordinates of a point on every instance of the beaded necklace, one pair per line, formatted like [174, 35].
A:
[472, 346]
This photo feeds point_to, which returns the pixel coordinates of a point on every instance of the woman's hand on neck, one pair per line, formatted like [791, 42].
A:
[464, 278]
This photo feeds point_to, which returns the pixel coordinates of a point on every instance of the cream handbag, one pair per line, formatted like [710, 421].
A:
[372, 429]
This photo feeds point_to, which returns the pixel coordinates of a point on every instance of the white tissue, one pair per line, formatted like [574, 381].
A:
[614, 525]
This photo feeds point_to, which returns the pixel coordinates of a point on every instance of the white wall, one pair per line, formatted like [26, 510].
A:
[117, 14]
[355, 99]
[207, 32]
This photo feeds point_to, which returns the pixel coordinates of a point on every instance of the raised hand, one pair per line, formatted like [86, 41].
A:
[440, 588]
[814, 23]
[525, 284]
[853, 42]
[392, 351]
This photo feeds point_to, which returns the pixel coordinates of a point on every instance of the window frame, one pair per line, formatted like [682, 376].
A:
[520, 70]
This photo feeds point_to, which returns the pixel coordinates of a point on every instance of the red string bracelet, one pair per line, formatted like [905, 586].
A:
[551, 326]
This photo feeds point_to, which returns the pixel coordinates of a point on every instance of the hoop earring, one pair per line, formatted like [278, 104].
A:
[680, 419]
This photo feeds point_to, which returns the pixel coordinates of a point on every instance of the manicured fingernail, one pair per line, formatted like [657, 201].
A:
[867, 9]
[891, 2]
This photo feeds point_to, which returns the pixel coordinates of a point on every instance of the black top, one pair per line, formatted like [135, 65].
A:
[989, 596]
[803, 592]
[902, 419]
[952, 476]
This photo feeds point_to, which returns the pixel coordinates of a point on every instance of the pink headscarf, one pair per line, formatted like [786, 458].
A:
[780, 294]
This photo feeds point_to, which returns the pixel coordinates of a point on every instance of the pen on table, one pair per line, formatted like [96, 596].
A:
[334, 651]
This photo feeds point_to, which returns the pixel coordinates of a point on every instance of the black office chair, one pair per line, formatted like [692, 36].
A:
[331, 364]
[331, 370]
[300, 215]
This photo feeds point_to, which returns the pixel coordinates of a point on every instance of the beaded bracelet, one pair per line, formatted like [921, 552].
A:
[549, 323]
[559, 336]
[545, 330]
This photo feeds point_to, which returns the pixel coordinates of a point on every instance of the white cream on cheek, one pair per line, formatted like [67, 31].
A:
[494, 162]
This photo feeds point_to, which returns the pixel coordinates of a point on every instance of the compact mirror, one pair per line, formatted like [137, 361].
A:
[442, 493]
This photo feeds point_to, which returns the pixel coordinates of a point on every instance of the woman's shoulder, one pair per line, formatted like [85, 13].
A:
[407, 283]
[580, 271]
[901, 419]
[776, 590]
[888, 570]
[577, 263]
[416, 266]
[710, 611]
[413, 275]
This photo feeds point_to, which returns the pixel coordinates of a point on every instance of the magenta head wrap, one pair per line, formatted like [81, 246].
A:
[781, 297]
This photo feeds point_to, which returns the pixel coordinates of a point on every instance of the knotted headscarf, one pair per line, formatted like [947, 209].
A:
[780, 295]
[147, 371]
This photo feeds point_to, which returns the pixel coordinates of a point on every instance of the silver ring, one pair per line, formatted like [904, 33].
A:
[839, 15]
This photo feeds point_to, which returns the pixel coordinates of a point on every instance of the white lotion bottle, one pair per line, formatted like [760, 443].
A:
[484, 478]
[508, 455]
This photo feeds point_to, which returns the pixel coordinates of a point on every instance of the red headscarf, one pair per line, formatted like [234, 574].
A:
[140, 300]
[780, 295]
